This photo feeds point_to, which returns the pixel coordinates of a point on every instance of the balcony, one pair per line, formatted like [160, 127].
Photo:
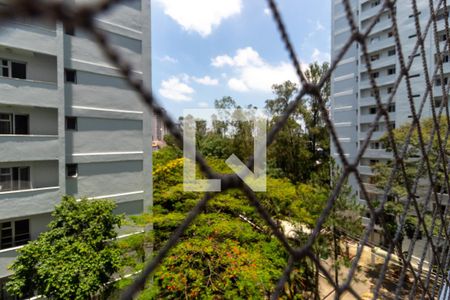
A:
[383, 25]
[7, 257]
[377, 153]
[369, 12]
[380, 81]
[14, 204]
[371, 118]
[28, 147]
[370, 101]
[28, 92]
[29, 37]
[380, 45]
[381, 63]
[365, 170]
[375, 136]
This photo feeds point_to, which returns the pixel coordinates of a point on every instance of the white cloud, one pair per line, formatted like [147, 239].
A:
[252, 72]
[267, 11]
[174, 89]
[244, 57]
[319, 26]
[203, 104]
[237, 85]
[169, 59]
[320, 56]
[201, 16]
[206, 80]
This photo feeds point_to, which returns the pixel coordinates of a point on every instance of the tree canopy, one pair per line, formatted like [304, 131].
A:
[75, 258]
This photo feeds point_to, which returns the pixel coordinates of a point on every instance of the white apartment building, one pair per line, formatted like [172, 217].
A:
[353, 105]
[69, 124]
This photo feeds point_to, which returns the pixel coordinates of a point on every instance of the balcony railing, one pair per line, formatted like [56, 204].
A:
[29, 37]
[28, 147]
[28, 92]
[19, 203]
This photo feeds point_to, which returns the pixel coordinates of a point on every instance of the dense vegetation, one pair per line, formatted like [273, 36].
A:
[228, 252]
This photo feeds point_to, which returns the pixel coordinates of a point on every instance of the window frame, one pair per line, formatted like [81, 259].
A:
[11, 226]
[9, 67]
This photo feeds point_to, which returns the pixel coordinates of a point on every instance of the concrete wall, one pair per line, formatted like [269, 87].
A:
[106, 178]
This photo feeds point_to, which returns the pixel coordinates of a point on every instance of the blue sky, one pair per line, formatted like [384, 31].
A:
[203, 50]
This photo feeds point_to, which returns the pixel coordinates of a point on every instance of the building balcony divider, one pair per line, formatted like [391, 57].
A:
[28, 92]
[28, 147]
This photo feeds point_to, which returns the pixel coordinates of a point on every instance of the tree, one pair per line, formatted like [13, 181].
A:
[394, 207]
[75, 258]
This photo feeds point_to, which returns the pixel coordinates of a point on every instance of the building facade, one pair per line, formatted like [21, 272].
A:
[69, 124]
[353, 105]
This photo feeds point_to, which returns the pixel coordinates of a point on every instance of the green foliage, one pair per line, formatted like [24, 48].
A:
[75, 258]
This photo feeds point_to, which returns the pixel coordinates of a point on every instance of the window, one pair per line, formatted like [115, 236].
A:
[14, 69]
[72, 170]
[6, 124]
[391, 71]
[375, 3]
[390, 34]
[14, 179]
[391, 108]
[71, 123]
[391, 52]
[412, 36]
[389, 90]
[14, 124]
[71, 75]
[375, 75]
[373, 110]
[14, 233]
[375, 145]
[21, 124]
[374, 57]
[443, 37]
[414, 76]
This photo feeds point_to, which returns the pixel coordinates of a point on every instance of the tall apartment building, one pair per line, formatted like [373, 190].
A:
[352, 99]
[69, 124]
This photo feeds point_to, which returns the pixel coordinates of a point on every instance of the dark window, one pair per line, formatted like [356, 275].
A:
[72, 170]
[6, 239]
[71, 123]
[391, 108]
[18, 70]
[14, 233]
[412, 36]
[71, 76]
[21, 124]
[414, 75]
[391, 71]
[21, 232]
[391, 52]
[373, 110]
